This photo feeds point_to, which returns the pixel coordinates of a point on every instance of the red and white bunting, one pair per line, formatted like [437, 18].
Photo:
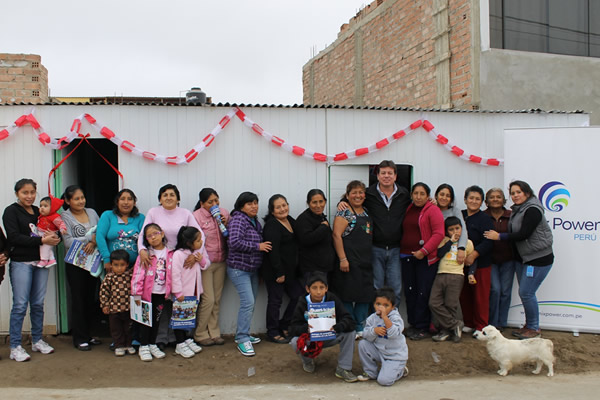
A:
[49, 141]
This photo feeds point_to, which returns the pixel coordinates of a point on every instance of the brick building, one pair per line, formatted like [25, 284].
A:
[471, 54]
[23, 79]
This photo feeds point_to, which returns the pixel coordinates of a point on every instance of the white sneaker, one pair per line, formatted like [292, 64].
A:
[156, 351]
[130, 350]
[193, 346]
[184, 351]
[144, 353]
[42, 347]
[19, 354]
[120, 351]
[467, 329]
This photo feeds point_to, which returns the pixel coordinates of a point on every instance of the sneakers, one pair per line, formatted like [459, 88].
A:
[42, 347]
[405, 373]
[467, 329]
[184, 351]
[359, 335]
[130, 350]
[155, 351]
[254, 340]
[457, 331]
[419, 335]
[19, 354]
[308, 365]
[120, 351]
[364, 377]
[441, 336]
[346, 375]
[193, 346]
[246, 349]
[144, 353]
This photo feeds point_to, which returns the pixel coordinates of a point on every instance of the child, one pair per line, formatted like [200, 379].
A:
[49, 221]
[316, 286]
[187, 281]
[114, 300]
[444, 299]
[152, 284]
[383, 341]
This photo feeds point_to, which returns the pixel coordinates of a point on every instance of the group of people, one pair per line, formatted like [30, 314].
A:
[454, 268]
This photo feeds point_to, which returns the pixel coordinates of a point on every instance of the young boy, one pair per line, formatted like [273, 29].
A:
[445, 292]
[316, 286]
[114, 300]
[383, 341]
[49, 221]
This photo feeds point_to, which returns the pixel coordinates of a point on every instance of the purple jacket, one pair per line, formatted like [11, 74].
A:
[243, 242]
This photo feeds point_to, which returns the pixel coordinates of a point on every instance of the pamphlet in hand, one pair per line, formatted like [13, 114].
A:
[90, 262]
[321, 319]
[184, 313]
[141, 313]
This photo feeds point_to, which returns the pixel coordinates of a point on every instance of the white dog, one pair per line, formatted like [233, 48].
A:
[513, 352]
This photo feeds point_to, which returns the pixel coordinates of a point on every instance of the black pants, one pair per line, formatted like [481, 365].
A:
[147, 333]
[417, 279]
[294, 290]
[120, 328]
[84, 288]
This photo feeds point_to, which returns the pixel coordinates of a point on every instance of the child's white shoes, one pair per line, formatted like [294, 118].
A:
[193, 346]
[144, 353]
[184, 351]
[156, 351]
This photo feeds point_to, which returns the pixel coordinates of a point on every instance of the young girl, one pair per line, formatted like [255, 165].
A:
[187, 281]
[152, 284]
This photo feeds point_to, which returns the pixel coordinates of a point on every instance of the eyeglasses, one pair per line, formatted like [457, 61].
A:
[153, 235]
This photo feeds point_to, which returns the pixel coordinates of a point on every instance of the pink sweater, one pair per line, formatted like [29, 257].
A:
[431, 225]
[142, 280]
[216, 244]
[170, 222]
[187, 281]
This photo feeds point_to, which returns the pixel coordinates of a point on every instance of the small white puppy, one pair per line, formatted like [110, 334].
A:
[513, 352]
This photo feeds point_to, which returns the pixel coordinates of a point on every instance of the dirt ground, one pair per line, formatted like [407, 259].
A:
[273, 364]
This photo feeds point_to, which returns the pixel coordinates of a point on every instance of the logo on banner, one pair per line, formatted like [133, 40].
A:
[554, 196]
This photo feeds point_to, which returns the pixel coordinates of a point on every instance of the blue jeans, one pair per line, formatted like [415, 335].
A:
[528, 285]
[29, 288]
[246, 284]
[359, 311]
[387, 270]
[500, 292]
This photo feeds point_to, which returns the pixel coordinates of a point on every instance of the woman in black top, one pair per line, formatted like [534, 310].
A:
[315, 242]
[280, 268]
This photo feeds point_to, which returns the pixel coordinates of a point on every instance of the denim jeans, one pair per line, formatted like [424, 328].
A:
[528, 285]
[500, 292]
[246, 284]
[29, 288]
[359, 311]
[387, 270]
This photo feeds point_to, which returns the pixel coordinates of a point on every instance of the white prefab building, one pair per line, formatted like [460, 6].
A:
[240, 160]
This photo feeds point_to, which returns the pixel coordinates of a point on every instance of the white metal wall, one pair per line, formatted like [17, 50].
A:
[238, 160]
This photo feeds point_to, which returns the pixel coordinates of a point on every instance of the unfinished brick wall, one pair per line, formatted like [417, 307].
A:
[23, 79]
[385, 57]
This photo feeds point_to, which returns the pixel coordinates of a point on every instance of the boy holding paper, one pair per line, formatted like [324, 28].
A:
[316, 286]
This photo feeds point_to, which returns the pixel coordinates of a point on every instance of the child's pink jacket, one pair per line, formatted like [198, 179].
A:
[187, 281]
[142, 280]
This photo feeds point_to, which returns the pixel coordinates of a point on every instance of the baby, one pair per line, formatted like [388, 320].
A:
[49, 221]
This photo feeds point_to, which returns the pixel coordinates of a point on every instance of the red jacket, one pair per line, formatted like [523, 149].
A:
[52, 221]
[431, 225]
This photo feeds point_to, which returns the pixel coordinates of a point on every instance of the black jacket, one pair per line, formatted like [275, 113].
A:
[343, 319]
[387, 224]
[283, 257]
[477, 224]
[315, 241]
[23, 246]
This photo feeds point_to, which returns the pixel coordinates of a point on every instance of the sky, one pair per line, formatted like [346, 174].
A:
[237, 51]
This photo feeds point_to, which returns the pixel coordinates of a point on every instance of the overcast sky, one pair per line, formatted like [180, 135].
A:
[237, 51]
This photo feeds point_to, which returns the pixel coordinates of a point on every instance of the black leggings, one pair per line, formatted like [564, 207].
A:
[147, 333]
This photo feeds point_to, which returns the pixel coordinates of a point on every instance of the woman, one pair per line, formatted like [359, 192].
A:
[170, 217]
[423, 230]
[475, 299]
[84, 287]
[503, 262]
[531, 237]
[315, 243]
[280, 268]
[245, 258]
[213, 278]
[353, 238]
[28, 281]
[120, 228]
[444, 197]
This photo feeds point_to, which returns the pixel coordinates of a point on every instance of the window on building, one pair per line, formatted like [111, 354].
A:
[35, 78]
[35, 64]
[546, 26]
[36, 93]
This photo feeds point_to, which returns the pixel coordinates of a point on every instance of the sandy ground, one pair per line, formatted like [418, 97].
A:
[274, 364]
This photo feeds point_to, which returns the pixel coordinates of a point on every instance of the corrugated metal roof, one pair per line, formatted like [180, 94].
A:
[307, 106]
